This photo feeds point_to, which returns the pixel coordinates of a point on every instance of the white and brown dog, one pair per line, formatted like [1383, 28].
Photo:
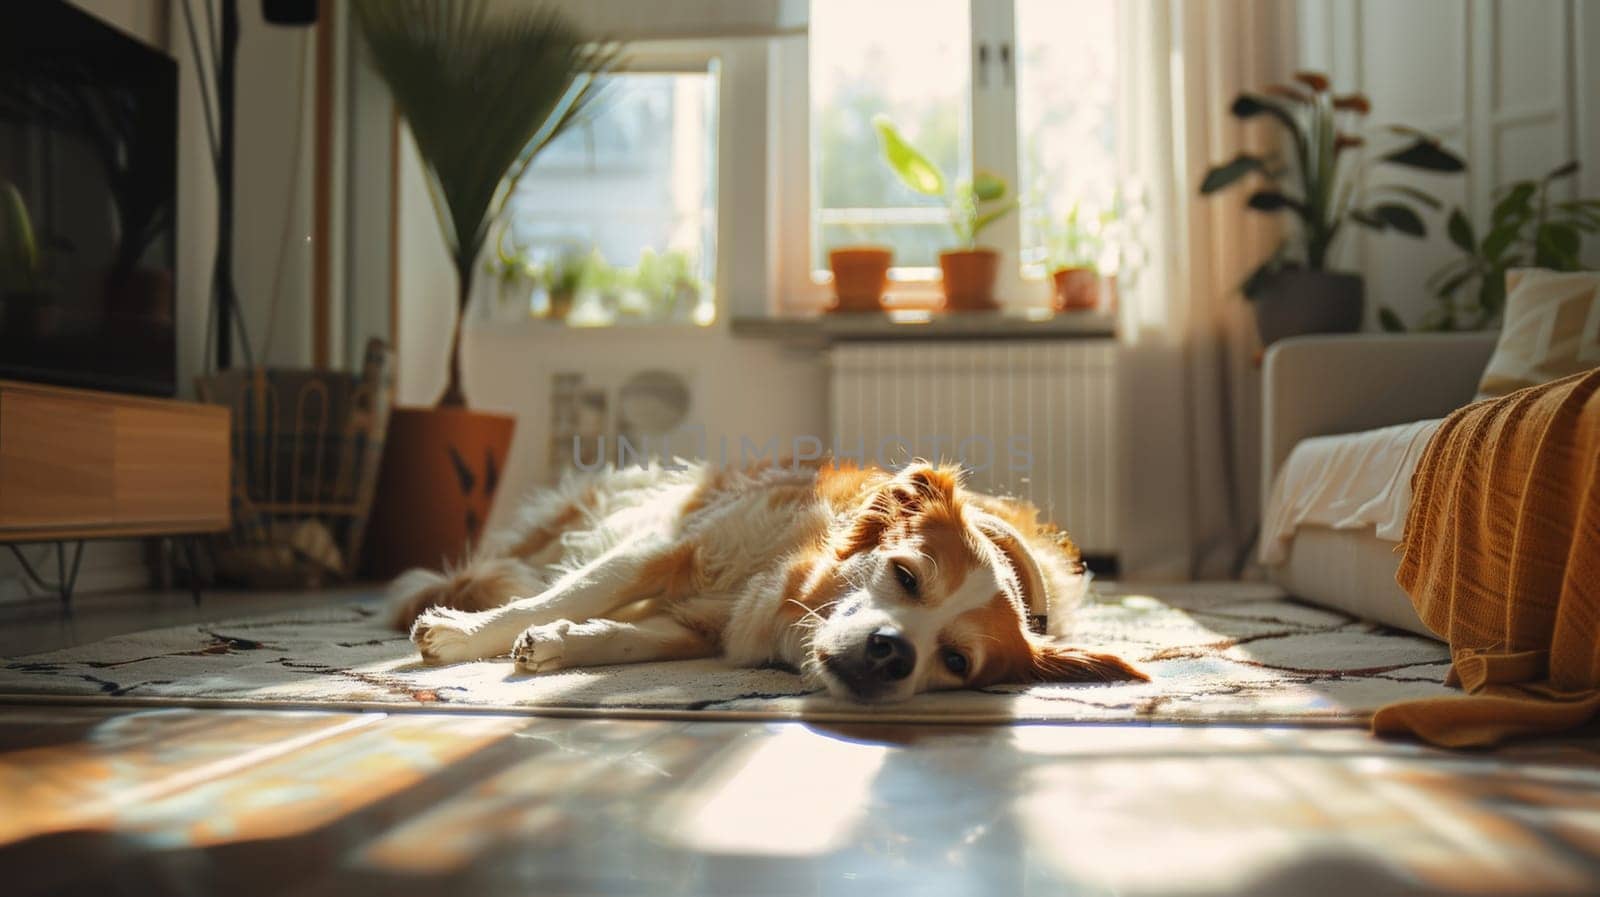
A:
[875, 585]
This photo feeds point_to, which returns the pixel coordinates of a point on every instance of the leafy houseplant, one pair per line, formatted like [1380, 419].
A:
[1525, 228]
[482, 94]
[1075, 251]
[1294, 291]
[969, 272]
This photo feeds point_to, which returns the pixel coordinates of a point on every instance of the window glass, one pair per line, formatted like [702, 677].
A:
[1067, 133]
[616, 219]
[907, 59]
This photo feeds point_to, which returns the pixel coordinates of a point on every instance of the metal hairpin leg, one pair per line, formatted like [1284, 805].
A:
[66, 578]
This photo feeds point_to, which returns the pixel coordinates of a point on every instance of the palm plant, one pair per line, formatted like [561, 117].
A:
[1316, 187]
[483, 95]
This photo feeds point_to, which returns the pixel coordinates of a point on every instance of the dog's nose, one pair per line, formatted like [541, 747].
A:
[889, 656]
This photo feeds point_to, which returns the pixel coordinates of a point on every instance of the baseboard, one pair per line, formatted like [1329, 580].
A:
[107, 567]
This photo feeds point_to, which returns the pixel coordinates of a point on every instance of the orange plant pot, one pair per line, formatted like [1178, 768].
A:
[1077, 289]
[860, 275]
[969, 277]
[436, 486]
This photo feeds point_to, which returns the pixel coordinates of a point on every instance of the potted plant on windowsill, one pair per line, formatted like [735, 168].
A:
[1075, 252]
[968, 272]
[860, 277]
[1294, 291]
[483, 94]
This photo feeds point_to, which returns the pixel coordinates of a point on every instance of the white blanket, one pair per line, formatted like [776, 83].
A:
[1349, 481]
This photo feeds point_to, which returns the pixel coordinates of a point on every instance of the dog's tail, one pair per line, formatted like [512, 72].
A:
[480, 585]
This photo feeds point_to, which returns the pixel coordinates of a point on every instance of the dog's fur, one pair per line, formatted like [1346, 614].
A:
[875, 585]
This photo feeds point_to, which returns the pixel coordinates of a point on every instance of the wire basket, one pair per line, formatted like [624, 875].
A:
[306, 447]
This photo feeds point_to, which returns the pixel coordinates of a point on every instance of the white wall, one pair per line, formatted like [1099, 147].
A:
[1507, 83]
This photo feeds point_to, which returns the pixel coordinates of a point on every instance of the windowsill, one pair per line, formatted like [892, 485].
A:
[1030, 323]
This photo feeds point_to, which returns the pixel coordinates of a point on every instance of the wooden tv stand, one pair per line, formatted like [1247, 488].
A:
[77, 464]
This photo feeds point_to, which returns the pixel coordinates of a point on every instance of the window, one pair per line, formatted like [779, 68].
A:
[616, 219]
[861, 67]
[1026, 89]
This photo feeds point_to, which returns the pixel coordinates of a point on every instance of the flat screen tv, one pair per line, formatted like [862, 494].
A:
[88, 183]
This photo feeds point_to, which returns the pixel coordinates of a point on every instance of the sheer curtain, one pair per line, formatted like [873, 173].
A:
[1193, 388]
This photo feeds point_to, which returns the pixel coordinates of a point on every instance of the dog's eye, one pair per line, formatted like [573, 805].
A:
[907, 579]
[954, 661]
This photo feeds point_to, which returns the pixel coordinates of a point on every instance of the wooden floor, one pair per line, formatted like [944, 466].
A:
[106, 800]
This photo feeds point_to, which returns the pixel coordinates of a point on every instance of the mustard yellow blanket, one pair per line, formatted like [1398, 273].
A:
[1502, 559]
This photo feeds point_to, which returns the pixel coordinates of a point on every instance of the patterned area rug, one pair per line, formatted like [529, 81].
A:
[1215, 653]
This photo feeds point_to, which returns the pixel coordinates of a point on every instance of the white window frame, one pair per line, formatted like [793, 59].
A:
[991, 133]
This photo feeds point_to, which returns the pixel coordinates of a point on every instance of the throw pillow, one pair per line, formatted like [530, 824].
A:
[1551, 330]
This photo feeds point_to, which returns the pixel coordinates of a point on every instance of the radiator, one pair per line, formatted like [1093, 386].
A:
[1055, 399]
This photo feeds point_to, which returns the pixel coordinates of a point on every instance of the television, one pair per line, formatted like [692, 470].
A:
[88, 189]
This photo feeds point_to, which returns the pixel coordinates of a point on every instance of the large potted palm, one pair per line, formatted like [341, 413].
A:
[1295, 290]
[482, 94]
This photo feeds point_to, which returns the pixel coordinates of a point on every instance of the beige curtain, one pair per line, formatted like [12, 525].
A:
[1192, 378]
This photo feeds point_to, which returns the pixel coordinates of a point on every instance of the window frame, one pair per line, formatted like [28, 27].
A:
[992, 139]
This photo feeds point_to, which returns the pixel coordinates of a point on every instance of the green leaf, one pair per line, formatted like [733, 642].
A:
[1389, 321]
[1427, 155]
[988, 186]
[1460, 230]
[1563, 171]
[1498, 240]
[1421, 196]
[1400, 218]
[1249, 106]
[1368, 220]
[1273, 201]
[913, 168]
[1515, 203]
[1227, 173]
[990, 217]
[1558, 246]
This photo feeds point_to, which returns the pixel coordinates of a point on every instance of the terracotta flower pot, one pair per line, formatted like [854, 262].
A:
[1077, 289]
[860, 275]
[436, 486]
[969, 276]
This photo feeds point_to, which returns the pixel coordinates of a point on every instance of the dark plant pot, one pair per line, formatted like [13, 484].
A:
[1295, 301]
[436, 486]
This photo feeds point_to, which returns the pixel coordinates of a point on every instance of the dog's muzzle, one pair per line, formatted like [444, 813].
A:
[877, 670]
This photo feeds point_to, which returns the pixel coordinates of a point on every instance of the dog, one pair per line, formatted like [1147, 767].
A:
[873, 584]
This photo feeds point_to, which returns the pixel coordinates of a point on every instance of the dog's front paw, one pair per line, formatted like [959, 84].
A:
[444, 636]
[539, 649]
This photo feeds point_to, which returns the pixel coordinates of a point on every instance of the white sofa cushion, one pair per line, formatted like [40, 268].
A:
[1349, 481]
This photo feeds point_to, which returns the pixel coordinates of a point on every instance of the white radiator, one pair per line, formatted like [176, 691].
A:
[1047, 408]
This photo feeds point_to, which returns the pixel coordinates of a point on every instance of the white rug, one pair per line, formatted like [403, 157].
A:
[1215, 653]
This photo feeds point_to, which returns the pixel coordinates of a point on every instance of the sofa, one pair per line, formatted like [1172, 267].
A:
[1324, 401]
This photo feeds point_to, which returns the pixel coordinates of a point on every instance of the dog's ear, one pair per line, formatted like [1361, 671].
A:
[1056, 663]
[911, 491]
[1030, 579]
